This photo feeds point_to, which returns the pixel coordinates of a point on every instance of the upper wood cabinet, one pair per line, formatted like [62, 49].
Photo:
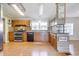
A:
[20, 22]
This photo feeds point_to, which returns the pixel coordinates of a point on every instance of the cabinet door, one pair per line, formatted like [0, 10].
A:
[24, 36]
[44, 36]
[41, 37]
[20, 22]
[37, 36]
[11, 36]
[53, 41]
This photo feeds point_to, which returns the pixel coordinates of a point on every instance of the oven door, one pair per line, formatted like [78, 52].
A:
[18, 36]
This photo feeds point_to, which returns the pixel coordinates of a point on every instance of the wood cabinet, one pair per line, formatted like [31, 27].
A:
[24, 35]
[11, 36]
[41, 36]
[20, 22]
[38, 36]
[53, 40]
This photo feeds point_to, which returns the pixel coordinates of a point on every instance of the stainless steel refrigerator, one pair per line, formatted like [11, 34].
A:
[1, 34]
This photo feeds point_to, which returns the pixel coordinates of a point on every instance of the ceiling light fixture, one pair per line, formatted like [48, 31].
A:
[17, 9]
[41, 9]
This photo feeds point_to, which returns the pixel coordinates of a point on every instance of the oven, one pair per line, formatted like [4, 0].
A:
[18, 36]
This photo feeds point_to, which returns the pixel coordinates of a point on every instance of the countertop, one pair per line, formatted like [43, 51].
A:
[34, 31]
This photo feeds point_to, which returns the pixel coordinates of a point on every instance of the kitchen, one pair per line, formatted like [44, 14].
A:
[36, 25]
[22, 31]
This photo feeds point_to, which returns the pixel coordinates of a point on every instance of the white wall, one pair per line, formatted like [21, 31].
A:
[6, 40]
[75, 21]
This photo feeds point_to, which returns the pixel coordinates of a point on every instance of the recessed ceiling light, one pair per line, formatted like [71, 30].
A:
[17, 9]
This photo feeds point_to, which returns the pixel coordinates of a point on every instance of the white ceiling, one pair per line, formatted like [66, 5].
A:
[72, 10]
[32, 11]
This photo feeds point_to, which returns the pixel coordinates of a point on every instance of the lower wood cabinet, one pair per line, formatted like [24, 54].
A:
[41, 36]
[24, 36]
[38, 36]
[53, 40]
[11, 36]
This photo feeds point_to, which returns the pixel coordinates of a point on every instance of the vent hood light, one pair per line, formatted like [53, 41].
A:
[41, 9]
[17, 9]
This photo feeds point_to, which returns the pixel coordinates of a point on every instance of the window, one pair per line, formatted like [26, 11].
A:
[43, 26]
[35, 26]
[69, 28]
[39, 25]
